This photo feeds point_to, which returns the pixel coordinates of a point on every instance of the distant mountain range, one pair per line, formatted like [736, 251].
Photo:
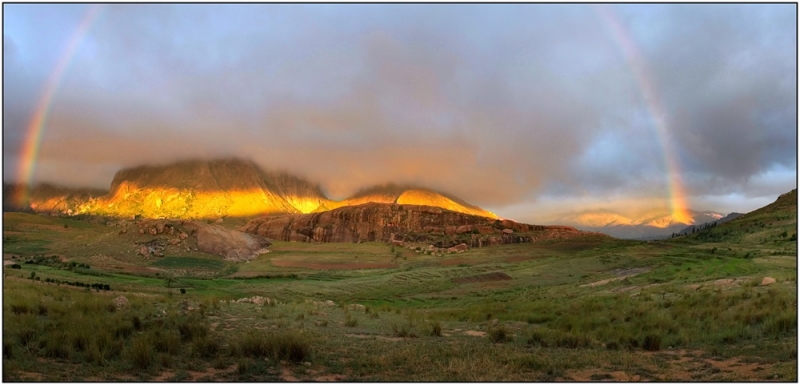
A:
[213, 189]
[649, 226]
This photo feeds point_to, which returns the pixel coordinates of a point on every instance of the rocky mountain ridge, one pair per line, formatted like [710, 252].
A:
[195, 189]
[391, 222]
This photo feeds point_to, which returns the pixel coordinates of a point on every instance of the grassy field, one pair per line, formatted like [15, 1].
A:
[687, 309]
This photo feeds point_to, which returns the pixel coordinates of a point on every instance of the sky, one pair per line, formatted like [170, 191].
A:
[528, 110]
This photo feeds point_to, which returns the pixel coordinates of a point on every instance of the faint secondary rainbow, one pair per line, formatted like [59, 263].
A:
[639, 67]
[35, 129]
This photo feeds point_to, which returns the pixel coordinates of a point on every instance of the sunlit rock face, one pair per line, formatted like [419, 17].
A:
[226, 188]
[389, 222]
[48, 198]
[391, 193]
[205, 189]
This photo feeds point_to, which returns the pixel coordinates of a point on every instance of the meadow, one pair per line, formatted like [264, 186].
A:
[686, 309]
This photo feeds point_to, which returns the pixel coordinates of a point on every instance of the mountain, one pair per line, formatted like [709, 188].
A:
[698, 227]
[391, 222]
[770, 229]
[205, 189]
[48, 198]
[218, 188]
[412, 195]
[654, 225]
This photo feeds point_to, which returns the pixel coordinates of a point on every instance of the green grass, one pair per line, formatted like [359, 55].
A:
[189, 263]
[546, 323]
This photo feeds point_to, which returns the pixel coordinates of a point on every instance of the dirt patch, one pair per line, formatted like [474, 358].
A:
[30, 376]
[333, 266]
[475, 333]
[330, 377]
[382, 338]
[621, 274]
[286, 375]
[488, 277]
[591, 375]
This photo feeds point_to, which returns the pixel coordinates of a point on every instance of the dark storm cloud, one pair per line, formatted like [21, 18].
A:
[497, 104]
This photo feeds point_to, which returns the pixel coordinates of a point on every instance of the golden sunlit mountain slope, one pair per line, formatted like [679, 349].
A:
[400, 194]
[205, 189]
[48, 198]
[220, 188]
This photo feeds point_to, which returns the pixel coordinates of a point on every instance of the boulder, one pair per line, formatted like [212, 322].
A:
[508, 231]
[120, 302]
[183, 235]
[230, 244]
[767, 281]
[458, 248]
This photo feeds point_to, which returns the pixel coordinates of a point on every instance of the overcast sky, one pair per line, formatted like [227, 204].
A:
[526, 110]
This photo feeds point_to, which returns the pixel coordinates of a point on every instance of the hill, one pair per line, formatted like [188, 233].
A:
[770, 229]
[390, 222]
[412, 195]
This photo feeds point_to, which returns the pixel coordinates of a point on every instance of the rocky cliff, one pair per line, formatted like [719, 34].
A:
[389, 222]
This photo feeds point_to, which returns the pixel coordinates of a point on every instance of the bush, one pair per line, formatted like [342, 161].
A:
[402, 331]
[141, 353]
[436, 329]
[351, 322]
[167, 342]
[652, 343]
[191, 330]
[206, 347]
[498, 334]
[291, 346]
[537, 338]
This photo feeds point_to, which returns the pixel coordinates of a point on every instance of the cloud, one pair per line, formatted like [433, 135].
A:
[502, 105]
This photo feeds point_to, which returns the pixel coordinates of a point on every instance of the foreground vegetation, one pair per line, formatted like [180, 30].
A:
[689, 309]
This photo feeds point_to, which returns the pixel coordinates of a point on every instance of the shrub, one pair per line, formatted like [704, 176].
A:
[537, 338]
[652, 342]
[167, 342]
[351, 322]
[183, 291]
[191, 330]
[206, 347]
[436, 329]
[498, 334]
[141, 353]
[291, 346]
[402, 331]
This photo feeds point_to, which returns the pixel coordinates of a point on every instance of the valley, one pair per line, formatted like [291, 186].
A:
[580, 308]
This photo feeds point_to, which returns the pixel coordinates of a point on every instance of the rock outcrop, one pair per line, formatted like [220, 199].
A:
[230, 244]
[412, 223]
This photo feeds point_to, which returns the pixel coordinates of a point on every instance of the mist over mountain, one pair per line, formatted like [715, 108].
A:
[653, 225]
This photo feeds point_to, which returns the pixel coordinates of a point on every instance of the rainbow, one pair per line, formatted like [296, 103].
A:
[35, 129]
[639, 67]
